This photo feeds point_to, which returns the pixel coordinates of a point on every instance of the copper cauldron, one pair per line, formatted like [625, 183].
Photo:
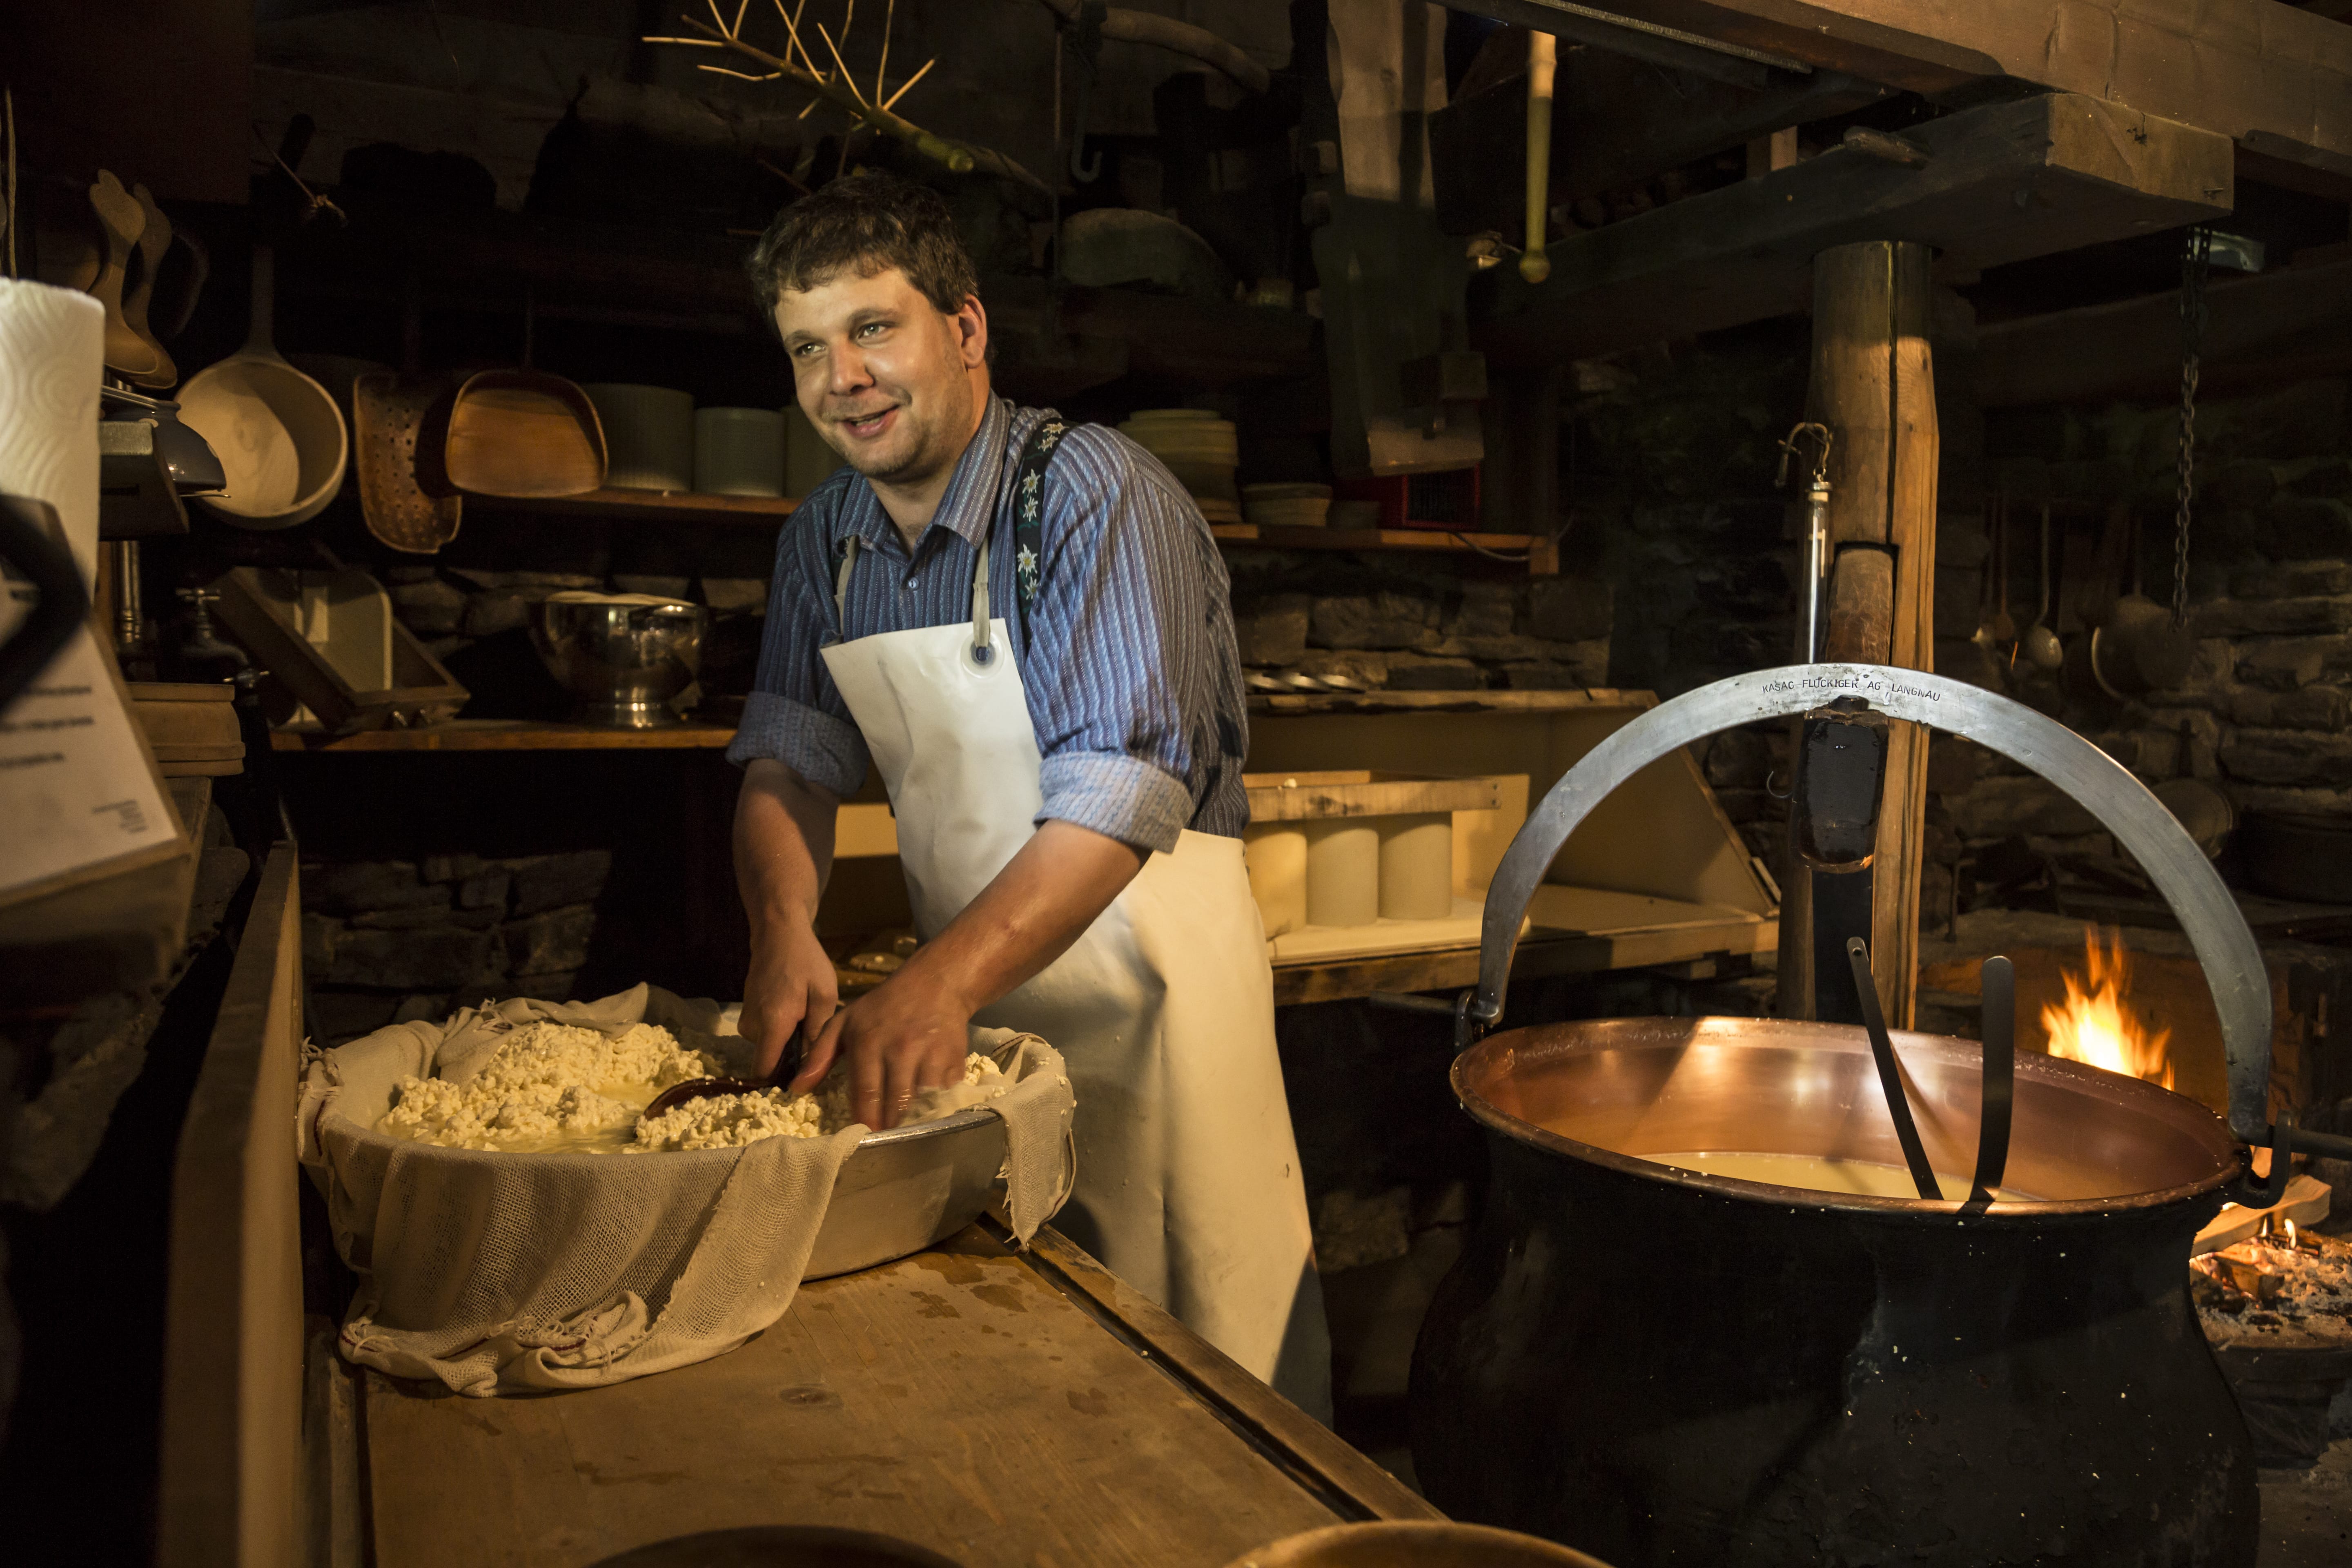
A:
[1658, 1365]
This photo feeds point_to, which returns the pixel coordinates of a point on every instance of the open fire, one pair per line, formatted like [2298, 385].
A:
[2095, 1026]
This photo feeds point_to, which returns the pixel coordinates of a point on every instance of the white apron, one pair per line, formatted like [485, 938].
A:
[1188, 1177]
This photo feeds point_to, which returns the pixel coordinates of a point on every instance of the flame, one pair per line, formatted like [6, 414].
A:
[2093, 1026]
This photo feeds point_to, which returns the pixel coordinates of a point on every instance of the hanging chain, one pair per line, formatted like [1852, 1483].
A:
[2195, 258]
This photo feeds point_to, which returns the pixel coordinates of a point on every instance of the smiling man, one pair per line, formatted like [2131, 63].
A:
[1025, 624]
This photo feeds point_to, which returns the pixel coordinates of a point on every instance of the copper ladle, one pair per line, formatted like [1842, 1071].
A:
[796, 1052]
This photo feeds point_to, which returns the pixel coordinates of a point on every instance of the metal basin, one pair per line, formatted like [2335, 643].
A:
[1659, 1366]
[622, 659]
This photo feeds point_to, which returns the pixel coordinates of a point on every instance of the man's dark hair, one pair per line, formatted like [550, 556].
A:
[865, 223]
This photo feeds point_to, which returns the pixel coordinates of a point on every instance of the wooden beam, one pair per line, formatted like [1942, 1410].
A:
[1873, 383]
[2277, 79]
[1615, 122]
[232, 1423]
[2131, 348]
[2002, 182]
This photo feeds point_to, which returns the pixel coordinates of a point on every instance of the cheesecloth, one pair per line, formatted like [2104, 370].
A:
[498, 1272]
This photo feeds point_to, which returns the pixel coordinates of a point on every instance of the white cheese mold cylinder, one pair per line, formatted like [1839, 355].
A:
[1275, 854]
[1417, 866]
[52, 358]
[1343, 872]
[738, 451]
[648, 434]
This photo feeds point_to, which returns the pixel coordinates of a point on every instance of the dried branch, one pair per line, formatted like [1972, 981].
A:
[909, 83]
[835, 49]
[954, 156]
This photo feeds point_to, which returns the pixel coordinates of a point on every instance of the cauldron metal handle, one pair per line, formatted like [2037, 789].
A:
[2102, 786]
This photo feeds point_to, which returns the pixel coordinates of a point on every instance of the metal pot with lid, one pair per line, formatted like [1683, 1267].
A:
[1663, 1358]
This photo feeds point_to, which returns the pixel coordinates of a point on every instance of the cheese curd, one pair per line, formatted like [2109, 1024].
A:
[549, 1086]
[558, 1087]
[725, 1120]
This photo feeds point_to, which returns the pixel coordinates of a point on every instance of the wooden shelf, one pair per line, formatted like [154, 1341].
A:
[1676, 939]
[1448, 702]
[1515, 546]
[509, 735]
[645, 506]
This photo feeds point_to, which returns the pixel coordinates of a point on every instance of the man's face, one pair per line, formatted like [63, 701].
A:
[890, 383]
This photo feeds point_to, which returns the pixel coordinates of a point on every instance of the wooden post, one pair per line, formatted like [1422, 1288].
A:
[1872, 385]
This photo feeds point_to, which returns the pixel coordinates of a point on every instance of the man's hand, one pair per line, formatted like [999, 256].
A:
[784, 850]
[910, 1032]
[792, 984]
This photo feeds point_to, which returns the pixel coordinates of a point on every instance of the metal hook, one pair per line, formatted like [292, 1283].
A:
[1789, 450]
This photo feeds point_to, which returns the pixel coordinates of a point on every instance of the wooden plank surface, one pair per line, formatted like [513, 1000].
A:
[2131, 348]
[1456, 968]
[1450, 701]
[1360, 792]
[509, 735]
[2276, 77]
[645, 506]
[959, 1398]
[1514, 546]
[232, 1441]
[2003, 182]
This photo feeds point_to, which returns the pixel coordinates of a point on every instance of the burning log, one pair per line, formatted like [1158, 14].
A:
[2305, 1204]
[2277, 1309]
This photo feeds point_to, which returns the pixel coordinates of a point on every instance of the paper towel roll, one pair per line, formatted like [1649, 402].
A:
[52, 358]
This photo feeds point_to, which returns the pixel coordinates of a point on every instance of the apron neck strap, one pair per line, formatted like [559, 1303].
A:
[841, 584]
[979, 649]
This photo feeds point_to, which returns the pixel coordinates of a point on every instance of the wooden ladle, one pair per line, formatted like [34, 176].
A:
[155, 239]
[787, 1065]
[123, 220]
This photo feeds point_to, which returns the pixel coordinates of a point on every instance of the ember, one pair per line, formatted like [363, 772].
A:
[2093, 1025]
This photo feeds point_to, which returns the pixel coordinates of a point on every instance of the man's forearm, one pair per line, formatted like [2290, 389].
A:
[783, 844]
[1028, 915]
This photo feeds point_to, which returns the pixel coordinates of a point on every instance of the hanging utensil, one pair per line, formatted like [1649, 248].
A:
[523, 433]
[404, 498]
[2040, 645]
[1984, 636]
[2139, 647]
[154, 240]
[122, 221]
[1813, 591]
[2004, 626]
[279, 436]
[1534, 265]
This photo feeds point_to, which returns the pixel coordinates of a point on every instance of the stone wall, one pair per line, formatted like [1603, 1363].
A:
[2263, 715]
[1670, 474]
[1394, 622]
[396, 940]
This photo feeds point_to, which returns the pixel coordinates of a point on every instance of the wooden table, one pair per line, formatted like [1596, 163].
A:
[999, 1408]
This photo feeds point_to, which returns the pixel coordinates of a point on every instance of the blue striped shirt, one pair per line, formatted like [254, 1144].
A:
[1129, 667]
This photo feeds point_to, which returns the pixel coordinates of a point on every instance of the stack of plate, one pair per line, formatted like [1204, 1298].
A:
[1286, 506]
[1199, 448]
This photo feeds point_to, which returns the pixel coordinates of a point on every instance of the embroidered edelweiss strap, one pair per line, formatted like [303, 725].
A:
[1028, 512]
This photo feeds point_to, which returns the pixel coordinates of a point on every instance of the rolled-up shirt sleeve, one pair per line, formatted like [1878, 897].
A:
[794, 714]
[1121, 671]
